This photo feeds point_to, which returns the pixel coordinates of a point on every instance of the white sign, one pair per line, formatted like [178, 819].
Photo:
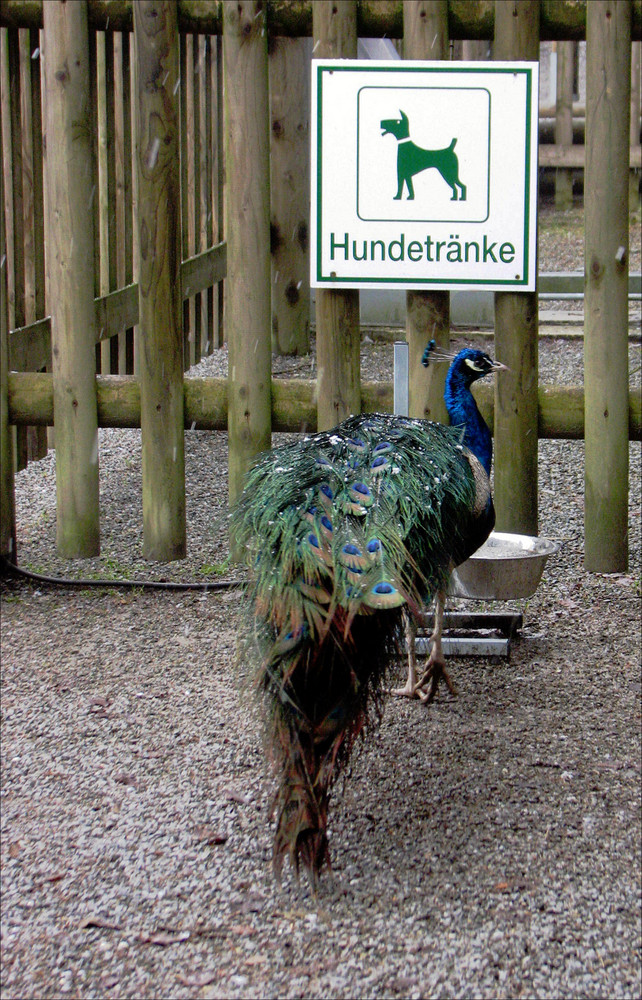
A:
[424, 174]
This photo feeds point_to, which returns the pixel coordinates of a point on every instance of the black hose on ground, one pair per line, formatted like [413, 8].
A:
[12, 568]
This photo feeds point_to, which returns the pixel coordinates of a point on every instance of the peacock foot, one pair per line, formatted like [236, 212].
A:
[409, 690]
[426, 687]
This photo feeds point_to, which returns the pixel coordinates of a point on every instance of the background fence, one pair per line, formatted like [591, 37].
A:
[142, 92]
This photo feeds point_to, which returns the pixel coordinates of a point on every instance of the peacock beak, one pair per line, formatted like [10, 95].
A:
[499, 367]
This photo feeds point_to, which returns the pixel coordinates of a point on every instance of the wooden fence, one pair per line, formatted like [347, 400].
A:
[119, 294]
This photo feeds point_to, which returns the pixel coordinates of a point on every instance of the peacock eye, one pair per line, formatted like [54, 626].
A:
[475, 367]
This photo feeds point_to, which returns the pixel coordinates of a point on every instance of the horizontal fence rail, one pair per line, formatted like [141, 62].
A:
[30, 346]
[467, 19]
[294, 407]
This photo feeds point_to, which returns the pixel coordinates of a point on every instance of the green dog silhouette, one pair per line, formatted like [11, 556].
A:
[412, 159]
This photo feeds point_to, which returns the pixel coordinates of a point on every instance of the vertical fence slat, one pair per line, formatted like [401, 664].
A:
[334, 27]
[101, 199]
[248, 234]
[136, 250]
[188, 194]
[36, 437]
[5, 96]
[95, 59]
[121, 142]
[516, 327]
[606, 250]
[634, 175]
[207, 174]
[18, 317]
[110, 347]
[27, 178]
[38, 177]
[7, 494]
[184, 146]
[71, 277]
[290, 167]
[127, 193]
[38, 221]
[425, 36]
[564, 122]
[219, 181]
[196, 205]
[159, 283]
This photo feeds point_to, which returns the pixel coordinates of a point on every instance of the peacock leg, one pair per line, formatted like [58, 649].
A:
[436, 666]
[409, 689]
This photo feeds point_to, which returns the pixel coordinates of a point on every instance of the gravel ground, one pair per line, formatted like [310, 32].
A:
[485, 846]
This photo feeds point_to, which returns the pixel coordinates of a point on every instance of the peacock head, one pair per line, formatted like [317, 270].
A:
[471, 364]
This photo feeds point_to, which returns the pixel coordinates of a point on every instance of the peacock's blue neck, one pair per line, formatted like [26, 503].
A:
[462, 409]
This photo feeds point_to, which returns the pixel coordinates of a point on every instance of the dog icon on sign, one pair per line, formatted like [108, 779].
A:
[413, 159]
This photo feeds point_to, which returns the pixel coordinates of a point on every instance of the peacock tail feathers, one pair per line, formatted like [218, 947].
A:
[341, 531]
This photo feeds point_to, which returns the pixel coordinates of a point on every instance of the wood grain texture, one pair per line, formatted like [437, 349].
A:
[30, 400]
[7, 486]
[247, 227]
[337, 311]
[159, 283]
[564, 122]
[516, 332]
[606, 246]
[468, 19]
[427, 312]
[290, 182]
[70, 240]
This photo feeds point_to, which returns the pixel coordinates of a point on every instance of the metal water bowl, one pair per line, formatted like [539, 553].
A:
[506, 567]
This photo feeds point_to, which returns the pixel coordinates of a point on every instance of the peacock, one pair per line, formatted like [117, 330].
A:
[348, 533]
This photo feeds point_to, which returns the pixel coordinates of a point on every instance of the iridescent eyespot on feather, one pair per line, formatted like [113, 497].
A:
[380, 464]
[360, 493]
[374, 548]
[383, 595]
[326, 526]
[352, 557]
[382, 448]
[289, 641]
[326, 496]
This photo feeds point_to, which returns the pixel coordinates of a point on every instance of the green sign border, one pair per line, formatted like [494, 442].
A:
[400, 67]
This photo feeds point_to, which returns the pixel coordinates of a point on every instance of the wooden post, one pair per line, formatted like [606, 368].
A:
[184, 158]
[334, 29]
[247, 227]
[516, 328]
[7, 495]
[606, 258]
[159, 280]
[425, 36]
[37, 190]
[70, 242]
[290, 165]
[218, 178]
[17, 211]
[564, 122]
[634, 174]
[127, 193]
